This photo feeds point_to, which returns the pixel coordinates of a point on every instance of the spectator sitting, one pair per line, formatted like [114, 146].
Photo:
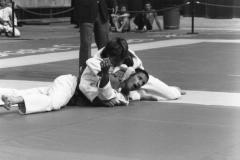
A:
[144, 21]
[121, 21]
[6, 25]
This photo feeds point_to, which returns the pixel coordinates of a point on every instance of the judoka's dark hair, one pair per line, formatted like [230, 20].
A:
[129, 60]
[117, 47]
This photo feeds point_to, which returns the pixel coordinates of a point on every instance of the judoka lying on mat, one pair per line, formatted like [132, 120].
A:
[57, 95]
[154, 89]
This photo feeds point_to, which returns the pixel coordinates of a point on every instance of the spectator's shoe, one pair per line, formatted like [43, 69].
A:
[144, 28]
[10, 34]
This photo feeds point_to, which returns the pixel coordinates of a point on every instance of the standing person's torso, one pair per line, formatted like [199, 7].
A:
[89, 9]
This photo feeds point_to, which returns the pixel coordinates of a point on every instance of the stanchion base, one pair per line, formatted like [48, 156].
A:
[192, 33]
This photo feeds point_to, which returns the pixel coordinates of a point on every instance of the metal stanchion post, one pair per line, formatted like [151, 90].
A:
[13, 18]
[193, 15]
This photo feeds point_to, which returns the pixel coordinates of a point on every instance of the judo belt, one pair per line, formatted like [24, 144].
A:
[78, 99]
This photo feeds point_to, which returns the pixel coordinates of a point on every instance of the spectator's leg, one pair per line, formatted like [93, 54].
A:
[139, 21]
[115, 23]
[148, 25]
[126, 25]
[17, 32]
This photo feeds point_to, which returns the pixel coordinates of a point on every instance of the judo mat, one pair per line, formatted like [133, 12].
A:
[203, 125]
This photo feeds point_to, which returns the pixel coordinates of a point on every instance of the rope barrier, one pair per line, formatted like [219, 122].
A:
[217, 5]
[159, 10]
[71, 9]
[45, 14]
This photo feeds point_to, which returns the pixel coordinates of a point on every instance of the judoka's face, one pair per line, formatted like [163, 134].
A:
[136, 81]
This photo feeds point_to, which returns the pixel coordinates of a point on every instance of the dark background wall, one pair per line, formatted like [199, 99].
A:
[137, 5]
[200, 10]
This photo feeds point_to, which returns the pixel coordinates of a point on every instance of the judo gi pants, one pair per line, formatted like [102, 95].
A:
[49, 98]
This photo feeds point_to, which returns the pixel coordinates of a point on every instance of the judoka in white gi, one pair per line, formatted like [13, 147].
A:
[64, 87]
[154, 90]
[92, 84]
[113, 56]
[58, 95]
[110, 87]
[6, 25]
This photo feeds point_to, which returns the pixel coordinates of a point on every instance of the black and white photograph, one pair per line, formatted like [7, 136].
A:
[120, 79]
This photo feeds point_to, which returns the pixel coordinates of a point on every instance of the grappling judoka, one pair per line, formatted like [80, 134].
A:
[104, 80]
[64, 87]
[154, 90]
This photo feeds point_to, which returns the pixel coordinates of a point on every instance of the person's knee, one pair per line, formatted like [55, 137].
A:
[60, 102]
[17, 33]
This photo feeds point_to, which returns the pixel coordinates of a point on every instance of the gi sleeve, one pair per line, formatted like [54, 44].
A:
[94, 65]
[137, 62]
[108, 93]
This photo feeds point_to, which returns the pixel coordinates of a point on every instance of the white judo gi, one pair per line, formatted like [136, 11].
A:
[49, 98]
[59, 93]
[56, 95]
[90, 80]
[154, 87]
[6, 16]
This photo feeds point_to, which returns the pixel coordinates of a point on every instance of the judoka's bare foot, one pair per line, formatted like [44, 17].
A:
[7, 104]
[11, 100]
[181, 91]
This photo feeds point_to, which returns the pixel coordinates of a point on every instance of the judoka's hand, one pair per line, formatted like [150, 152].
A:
[105, 65]
[112, 102]
[119, 74]
[144, 96]
[180, 90]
